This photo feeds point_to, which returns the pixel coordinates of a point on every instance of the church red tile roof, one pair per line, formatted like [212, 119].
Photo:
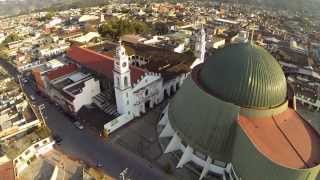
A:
[100, 63]
[7, 171]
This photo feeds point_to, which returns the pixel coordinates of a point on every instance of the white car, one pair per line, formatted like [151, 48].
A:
[78, 125]
[32, 98]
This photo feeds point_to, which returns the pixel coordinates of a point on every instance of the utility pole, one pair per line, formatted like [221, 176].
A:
[252, 28]
[123, 174]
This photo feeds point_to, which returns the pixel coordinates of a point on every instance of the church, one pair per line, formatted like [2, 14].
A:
[136, 77]
[235, 118]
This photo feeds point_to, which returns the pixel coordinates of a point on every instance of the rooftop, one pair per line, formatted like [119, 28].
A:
[246, 75]
[100, 63]
[7, 171]
[71, 84]
[18, 145]
[160, 60]
[286, 139]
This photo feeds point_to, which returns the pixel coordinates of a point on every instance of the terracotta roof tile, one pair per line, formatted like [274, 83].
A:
[7, 171]
[61, 71]
[100, 63]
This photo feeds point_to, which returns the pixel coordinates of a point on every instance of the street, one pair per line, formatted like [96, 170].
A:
[87, 146]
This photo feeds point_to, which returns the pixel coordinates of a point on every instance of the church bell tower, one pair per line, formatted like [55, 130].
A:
[200, 45]
[122, 80]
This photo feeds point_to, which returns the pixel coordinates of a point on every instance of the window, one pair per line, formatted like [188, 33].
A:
[200, 155]
[118, 82]
[36, 146]
[146, 92]
[126, 81]
[27, 152]
[127, 102]
[220, 163]
[162, 114]
[44, 142]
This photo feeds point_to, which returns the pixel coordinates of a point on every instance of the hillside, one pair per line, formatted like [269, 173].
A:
[11, 7]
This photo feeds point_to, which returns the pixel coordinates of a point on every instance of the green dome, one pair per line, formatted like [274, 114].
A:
[246, 75]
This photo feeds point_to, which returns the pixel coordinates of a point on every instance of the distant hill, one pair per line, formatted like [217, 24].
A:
[12, 7]
[293, 5]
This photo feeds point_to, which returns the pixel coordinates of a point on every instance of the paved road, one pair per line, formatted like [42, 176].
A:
[90, 148]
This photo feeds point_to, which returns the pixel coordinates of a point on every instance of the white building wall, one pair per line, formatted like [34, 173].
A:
[124, 101]
[148, 89]
[36, 149]
[91, 89]
[219, 44]
[170, 87]
[55, 51]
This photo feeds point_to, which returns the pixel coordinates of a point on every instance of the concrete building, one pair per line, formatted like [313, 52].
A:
[74, 90]
[48, 71]
[66, 85]
[48, 52]
[235, 118]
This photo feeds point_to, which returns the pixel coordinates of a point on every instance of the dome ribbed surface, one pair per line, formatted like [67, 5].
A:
[246, 75]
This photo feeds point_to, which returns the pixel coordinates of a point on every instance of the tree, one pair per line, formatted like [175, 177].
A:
[115, 28]
[161, 28]
[48, 16]
[11, 38]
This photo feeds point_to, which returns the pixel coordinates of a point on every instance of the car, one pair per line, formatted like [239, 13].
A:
[99, 164]
[57, 139]
[78, 125]
[32, 98]
[24, 80]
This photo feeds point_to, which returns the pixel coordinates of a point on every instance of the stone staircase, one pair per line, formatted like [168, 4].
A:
[102, 102]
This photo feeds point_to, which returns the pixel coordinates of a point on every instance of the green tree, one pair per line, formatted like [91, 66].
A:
[11, 38]
[161, 28]
[115, 28]
[3, 52]
[48, 16]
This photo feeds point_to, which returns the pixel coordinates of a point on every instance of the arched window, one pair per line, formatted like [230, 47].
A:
[126, 81]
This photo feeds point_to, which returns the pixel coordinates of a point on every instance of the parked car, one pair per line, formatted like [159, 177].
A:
[32, 98]
[78, 125]
[99, 164]
[57, 139]
[24, 80]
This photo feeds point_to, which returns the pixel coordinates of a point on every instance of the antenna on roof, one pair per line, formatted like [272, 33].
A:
[251, 40]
